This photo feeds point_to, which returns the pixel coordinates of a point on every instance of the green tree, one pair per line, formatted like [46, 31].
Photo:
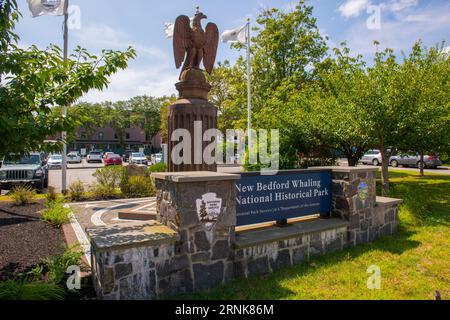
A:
[425, 73]
[146, 114]
[33, 82]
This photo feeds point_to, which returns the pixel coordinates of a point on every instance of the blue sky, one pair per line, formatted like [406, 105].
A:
[115, 24]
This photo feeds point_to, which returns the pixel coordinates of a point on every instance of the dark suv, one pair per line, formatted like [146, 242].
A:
[28, 170]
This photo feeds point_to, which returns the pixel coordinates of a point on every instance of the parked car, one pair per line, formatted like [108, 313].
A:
[126, 156]
[74, 157]
[55, 161]
[106, 154]
[158, 158]
[94, 156]
[28, 170]
[373, 157]
[113, 160]
[413, 160]
[138, 158]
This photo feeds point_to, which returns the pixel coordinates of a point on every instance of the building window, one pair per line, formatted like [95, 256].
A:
[101, 136]
[128, 136]
[116, 137]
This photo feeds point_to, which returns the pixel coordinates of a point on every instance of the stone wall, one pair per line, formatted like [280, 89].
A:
[259, 254]
[184, 252]
[370, 216]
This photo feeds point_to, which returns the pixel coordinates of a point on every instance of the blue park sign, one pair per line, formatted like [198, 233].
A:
[287, 195]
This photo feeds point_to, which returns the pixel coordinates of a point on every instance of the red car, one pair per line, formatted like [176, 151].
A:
[113, 160]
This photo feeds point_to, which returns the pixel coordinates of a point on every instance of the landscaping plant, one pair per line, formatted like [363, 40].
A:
[56, 214]
[23, 195]
[76, 191]
[57, 266]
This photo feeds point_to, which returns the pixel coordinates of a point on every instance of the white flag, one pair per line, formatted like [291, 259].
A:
[236, 35]
[47, 7]
[170, 28]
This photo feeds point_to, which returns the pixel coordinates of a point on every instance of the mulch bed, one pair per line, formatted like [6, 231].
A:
[25, 240]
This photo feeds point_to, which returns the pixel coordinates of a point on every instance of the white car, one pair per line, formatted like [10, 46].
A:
[55, 161]
[73, 157]
[373, 157]
[158, 158]
[94, 156]
[138, 158]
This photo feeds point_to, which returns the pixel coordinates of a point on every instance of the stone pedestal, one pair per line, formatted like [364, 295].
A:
[192, 106]
[206, 236]
[355, 200]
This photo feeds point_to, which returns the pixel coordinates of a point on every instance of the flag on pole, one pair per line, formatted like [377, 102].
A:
[47, 7]
[236, 35]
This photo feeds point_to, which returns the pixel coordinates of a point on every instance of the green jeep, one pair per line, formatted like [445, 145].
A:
[29, 170]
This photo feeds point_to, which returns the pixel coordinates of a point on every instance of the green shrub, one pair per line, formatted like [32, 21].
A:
[56, 214]
[23, 195]
[76, 191]
[57, 266]
[102, 192]
[109, 176]
[138, 187]
[159, 167]
[21, 290]
[51, 195]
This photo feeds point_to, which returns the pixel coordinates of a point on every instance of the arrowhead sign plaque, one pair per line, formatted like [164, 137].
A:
[208, 209]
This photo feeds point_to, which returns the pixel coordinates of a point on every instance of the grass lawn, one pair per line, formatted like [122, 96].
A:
[414, 263]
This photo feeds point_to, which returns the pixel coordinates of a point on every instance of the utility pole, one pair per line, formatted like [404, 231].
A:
[64, 108]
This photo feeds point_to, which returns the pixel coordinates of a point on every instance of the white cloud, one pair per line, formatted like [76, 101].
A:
[135, 81]
[353, 8]
[102, 36]
[400, 33]
[399, 5]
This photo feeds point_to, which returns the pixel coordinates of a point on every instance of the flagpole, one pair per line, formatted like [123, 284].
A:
[64, 108]
[249, 88]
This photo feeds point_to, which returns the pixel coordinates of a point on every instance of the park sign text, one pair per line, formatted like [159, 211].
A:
[287, 195]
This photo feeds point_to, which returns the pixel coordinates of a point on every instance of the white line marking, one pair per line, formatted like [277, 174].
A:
[153, 205]
[81, 236]
[96, 218]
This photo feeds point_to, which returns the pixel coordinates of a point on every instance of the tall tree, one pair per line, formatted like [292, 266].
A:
[33, 82]
[425, 73]
[146, 114]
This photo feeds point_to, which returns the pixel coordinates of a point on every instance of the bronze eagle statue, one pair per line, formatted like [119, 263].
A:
[193, 44]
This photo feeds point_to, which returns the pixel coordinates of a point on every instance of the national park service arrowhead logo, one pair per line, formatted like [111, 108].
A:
[208, 210]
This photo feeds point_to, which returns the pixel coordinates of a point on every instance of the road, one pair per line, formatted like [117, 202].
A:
[84, 173]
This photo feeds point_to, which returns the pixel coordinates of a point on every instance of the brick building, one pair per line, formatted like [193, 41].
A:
[106, 139]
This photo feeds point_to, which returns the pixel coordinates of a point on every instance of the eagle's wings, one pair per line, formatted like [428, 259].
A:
[210, 50]
[181, 39]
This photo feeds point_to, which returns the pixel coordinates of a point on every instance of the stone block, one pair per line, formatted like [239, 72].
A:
[177, 283]
[299, 255]
[221, 250]
[123, 270]
[258, 266]
[201, 242]
[283, 259]
[208, 276]
[173, 265]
